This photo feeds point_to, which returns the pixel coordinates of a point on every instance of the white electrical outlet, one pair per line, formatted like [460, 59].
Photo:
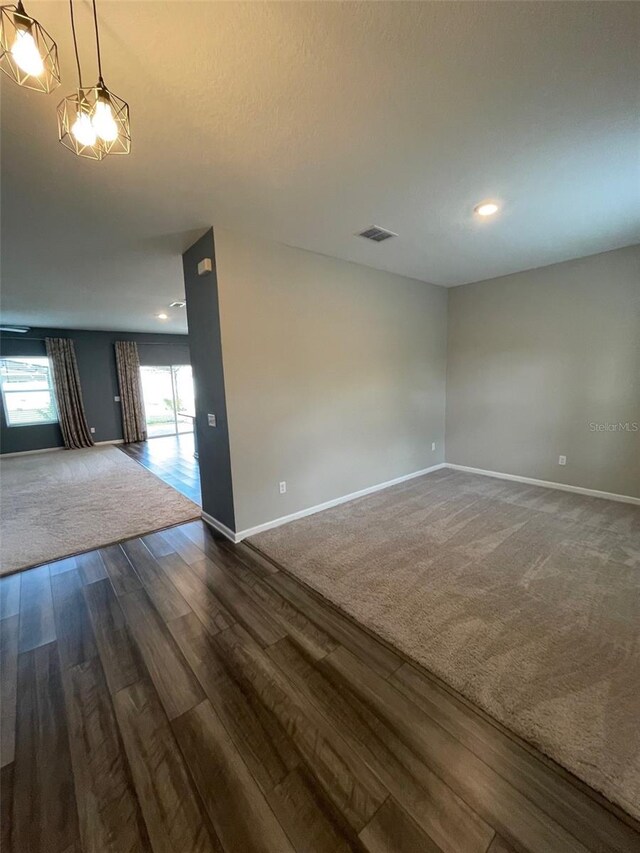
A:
[562, 460]
[433, 445]
[211, 420]
[116, 399]
[283, 487]
[93, 429]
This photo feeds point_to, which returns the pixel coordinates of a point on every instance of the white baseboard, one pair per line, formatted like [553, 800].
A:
[50, 449]
[220, 527]
[564, 487]
[30, 452]
[294, 516]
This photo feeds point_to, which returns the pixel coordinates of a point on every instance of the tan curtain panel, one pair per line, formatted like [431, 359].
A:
[66, 383]
[134, 425]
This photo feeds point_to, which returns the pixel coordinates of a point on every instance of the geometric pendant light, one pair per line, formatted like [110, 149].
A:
[110, 117]
[28, 54]
[75, 130]
[93, 122]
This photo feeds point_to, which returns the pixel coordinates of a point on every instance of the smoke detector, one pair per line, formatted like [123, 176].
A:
[179, 303]
[377, 234]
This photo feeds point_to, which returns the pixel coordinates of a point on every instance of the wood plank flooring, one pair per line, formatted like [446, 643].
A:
[176, 693]
[170, 458]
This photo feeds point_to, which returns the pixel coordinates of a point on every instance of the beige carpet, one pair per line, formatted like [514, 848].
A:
[61, 503]
[524, 599]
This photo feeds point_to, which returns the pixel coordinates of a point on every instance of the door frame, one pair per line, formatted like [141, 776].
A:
[174, 396]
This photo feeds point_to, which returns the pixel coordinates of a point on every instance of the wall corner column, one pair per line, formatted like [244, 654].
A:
[205, 342]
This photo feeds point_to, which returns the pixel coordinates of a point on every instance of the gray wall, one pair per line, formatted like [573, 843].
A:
[97, 368]
[535, 358]
[335, 375]
[206, 361]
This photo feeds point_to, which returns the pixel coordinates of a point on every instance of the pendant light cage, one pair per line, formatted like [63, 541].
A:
[93, 122]
[72, 111]
[119, 109]
[79, 129]
[28, 54]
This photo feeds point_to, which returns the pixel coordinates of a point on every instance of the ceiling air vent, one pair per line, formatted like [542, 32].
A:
[377, 234]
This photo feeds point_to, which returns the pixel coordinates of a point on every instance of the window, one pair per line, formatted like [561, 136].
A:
[27, 393]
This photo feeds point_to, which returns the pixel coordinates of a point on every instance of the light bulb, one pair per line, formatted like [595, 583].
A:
[26, 54]
[103, 121]
[487, 208]
[83, 129]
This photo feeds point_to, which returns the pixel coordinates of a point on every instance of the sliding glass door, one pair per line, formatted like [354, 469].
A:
[185, 403]
[168, 399]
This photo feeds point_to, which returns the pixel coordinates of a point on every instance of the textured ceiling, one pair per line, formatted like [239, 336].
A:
[305, 122]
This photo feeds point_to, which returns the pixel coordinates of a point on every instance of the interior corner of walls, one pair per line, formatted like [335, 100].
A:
[520, 338]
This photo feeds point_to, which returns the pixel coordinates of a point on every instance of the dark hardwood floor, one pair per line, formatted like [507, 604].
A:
[170, 458]
[176, 693]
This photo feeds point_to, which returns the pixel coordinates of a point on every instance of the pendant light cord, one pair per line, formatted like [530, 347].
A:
[95, 21]
[75, 43]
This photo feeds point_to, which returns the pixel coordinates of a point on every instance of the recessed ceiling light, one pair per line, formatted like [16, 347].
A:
[486, 208]
[162, 316]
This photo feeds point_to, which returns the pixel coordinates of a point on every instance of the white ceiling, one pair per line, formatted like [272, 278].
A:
[305, 122]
